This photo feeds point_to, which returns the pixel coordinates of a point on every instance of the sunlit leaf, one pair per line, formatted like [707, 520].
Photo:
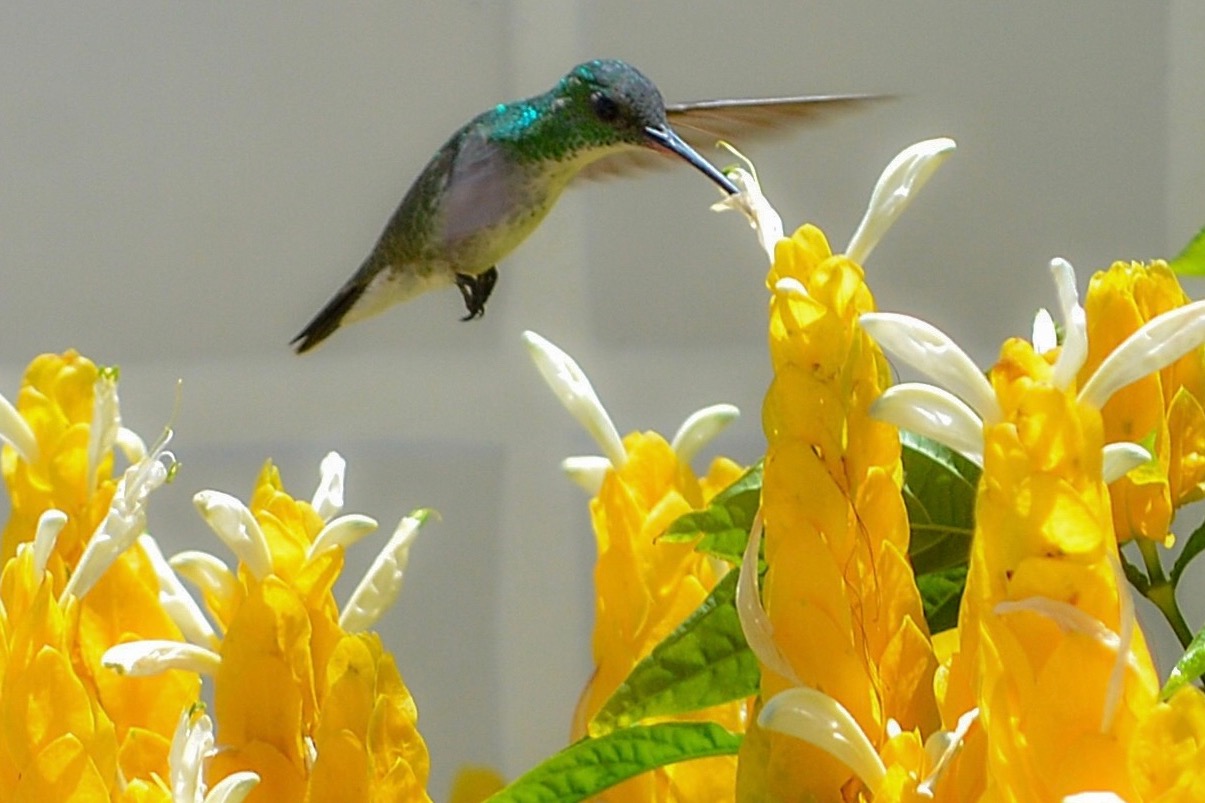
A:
[1190, 667]
[705, 662]
[589, 766]
[1191, 261]
[723, 526]
[941, 594]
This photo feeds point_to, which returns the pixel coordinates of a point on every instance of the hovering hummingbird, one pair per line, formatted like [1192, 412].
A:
[496, 178]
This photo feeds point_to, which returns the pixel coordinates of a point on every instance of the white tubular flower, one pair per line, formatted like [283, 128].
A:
[106, 422]
[573, 388]
[176, 601]
[1121, 458]
[328, 498]
[750, 201]
[208, 573]
[1075, 341]
[935, 413]
[341, 531]
[192, 746]
[383, 580]
[700, 428]
[755, 622]
[821, 721]
[126, 519]
[1045, 335]
[897, 186]
[50, 524]
[154, 656]
[234, 523]
[587, 471]
[16, 432]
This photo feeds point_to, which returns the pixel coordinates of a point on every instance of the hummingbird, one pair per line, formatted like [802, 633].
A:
[499, 175]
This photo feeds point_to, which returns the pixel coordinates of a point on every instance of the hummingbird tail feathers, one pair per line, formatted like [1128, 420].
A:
[330, 318]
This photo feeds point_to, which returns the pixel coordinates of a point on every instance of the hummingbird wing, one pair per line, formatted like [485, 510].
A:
[703, 123]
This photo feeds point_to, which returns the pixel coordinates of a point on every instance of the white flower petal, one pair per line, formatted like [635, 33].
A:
[1120, 458]
[1125, 613]
[1162, 341]
[755, 623]
[1075, 326]
[934, 413]
[572, 387]
[153, 656]
[1094, 797]
[191, 745]
[208, 573]
[341, 531]
[901, 180]
[930, 350]
[106, 421]
[941, 748]
[1045, 334]
[234, 523]
[16, 432]
[130, 444]
[177, 603]
[1070, 619]
[750, 201]
[383, 580]
[821, 721]
[790, 286]
[587, 471]
[701, 428]
[328, 498]
[234, 788]
[50, 524]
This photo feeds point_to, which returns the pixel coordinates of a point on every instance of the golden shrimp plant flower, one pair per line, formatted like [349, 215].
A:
[1049, 649]
[304, 696]
[847, 664]
[83, 523]
[644, 586]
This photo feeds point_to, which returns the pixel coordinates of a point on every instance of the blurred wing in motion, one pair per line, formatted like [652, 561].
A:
[702, 123]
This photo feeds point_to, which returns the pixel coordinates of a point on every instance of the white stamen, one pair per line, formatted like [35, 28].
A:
[383, 580]
[328, 498]
[755, 623]
[234, 523]
[1045, 334]
[154, 656]
[935, 413]
[341, 531]
[930, 350]
[763, 218]
[1160, 342]
[897, 186]
[587, 471]
[573, 388]
[1120, 458]
[1075, 326]
[50, 524]
[701, 428]
[16, 432]
[175, 600]
[819, 720]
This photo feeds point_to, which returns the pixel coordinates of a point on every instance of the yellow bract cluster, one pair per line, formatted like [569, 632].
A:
[839, 590]
[644, 588]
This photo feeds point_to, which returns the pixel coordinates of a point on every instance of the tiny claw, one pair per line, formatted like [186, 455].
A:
[475, 290]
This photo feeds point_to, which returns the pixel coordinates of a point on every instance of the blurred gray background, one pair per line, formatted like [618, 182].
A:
[182, 185]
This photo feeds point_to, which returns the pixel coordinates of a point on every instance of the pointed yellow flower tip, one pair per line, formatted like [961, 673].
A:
[48, 462]
[1162, 409]
[839, 594]
[645, 587]
[475, 784]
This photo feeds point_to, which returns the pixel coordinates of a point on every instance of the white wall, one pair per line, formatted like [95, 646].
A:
[182, 185]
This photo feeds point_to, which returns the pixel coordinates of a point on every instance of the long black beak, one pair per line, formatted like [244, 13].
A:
[664, 137]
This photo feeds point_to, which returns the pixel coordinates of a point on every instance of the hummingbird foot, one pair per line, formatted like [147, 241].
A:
[476, 291]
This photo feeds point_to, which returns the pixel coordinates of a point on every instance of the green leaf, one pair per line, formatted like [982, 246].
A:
[1190, 667]
[1192, 547]
[1191, 261]
[589, 766]
[723, 526]
[704, 662]
[941, 594]
[939, 493]
[1134, 575]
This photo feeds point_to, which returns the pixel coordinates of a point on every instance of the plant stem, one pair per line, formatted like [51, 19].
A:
[1162, 592]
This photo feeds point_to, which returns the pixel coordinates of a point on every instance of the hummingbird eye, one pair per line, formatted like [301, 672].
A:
[604, 107]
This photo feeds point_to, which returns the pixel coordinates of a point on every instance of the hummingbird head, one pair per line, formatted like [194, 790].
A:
[608, 104]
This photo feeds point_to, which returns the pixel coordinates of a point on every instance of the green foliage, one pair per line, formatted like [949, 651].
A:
[1192, 547]
[723, 526]
[941, 593]
[589, 766]
[703, 663]
[1191, 261]
[939, 492]
[1190, 667]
